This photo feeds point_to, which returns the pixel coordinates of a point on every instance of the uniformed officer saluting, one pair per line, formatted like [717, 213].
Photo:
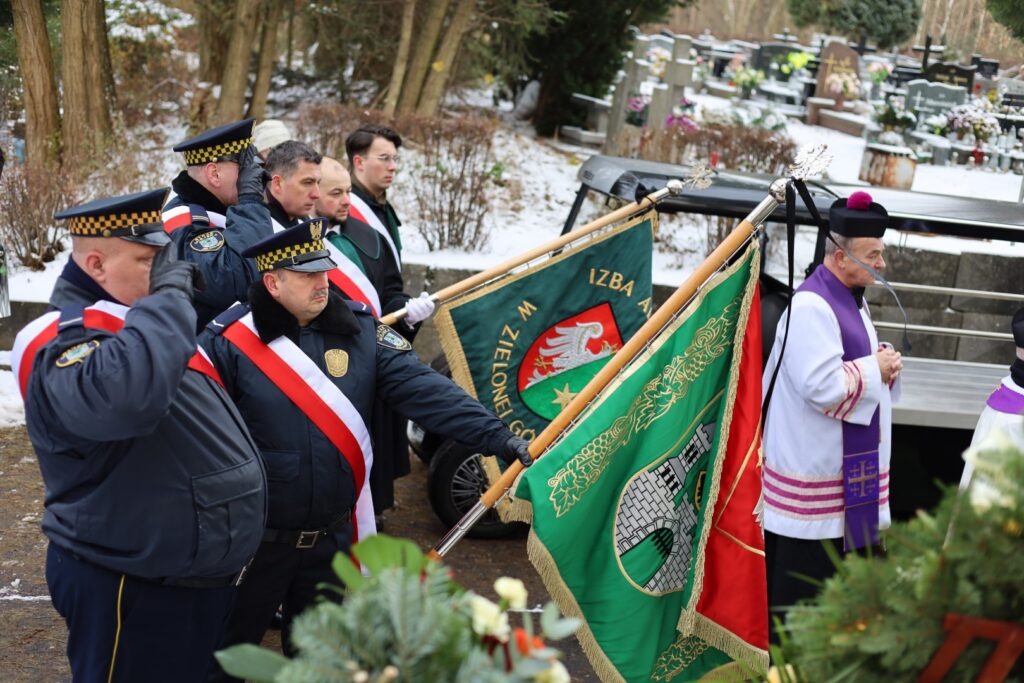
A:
[304, 366]
[215, 211]
[155, 492]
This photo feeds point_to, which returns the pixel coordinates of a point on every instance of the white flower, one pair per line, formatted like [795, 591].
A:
[985, 491]
[775, 674]
[512, 590]
[488, 618]
[556, 673]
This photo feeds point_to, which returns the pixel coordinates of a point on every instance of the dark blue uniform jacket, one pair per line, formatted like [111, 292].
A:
[218, 251]
[311, 484]
[149, 469]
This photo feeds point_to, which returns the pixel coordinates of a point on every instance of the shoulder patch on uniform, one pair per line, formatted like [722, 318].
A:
[76, 354]
[227, 318]
[358, 307]
[211, 240]
[390, 339]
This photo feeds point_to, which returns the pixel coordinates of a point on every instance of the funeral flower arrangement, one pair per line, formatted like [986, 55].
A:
[970, 118]
[892, 113]
[846, 84]
[636, 110]
[882, 618]
[409, 621]
[879, 72]
[746, 79]
[682, 116]
[659, 57]
[794, 61]
[937, 124]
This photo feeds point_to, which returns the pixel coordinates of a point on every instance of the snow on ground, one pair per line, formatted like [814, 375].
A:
[12, 411]
[540, 184]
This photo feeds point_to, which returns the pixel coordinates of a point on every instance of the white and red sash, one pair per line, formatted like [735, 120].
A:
[348, 277]
[361, 211]
[321, 401]
[181, 216]
[102, 315]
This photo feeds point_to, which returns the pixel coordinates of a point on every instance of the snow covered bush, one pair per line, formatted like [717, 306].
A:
[28, 200]
[453, 170]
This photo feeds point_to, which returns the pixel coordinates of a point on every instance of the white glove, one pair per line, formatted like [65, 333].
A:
[419, 309]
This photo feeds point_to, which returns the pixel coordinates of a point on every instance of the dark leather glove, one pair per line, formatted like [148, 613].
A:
[170, 273]
[252, 179]
[517, 449]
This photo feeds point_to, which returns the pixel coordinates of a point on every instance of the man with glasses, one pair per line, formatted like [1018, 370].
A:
[373, 159]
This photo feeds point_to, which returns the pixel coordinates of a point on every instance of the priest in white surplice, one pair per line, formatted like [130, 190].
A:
[827, 432]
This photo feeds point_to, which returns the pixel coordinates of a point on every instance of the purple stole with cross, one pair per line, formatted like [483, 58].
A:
[860, 442]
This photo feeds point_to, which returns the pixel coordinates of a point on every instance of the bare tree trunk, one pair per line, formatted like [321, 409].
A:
[291, 34]
[214, 34]
[97, 57]
[42, 118]
[268, 55]
[402, 58]
[441, 69]
[425, 41]
[77, 133]
[235, 76]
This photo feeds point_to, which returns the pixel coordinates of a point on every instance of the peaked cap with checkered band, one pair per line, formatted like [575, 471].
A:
[224, 143]
[300, 247]
[135, 217]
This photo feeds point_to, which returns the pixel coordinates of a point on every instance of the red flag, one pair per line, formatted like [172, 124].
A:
[735, 593]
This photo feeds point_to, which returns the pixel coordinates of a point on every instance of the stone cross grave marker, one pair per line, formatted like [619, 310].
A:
[952, 74]
[927, 98]
[835, 58]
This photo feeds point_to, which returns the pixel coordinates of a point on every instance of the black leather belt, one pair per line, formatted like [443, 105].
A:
[304, 540]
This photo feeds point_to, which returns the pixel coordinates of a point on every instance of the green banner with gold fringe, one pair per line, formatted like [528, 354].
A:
[620, 502]
[526, 344]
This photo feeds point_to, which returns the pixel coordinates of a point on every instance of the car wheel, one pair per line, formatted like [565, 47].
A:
[457, 481]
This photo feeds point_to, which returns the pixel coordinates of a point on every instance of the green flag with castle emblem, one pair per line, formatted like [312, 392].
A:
[619, 501]
[526, 344]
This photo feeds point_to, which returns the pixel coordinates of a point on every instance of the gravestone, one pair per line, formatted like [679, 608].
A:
[771, 53]
[681, 47]
[1011, 86]
[927, 98]
[902, 75]
[835, 58]
[989, 68]
[952, 74]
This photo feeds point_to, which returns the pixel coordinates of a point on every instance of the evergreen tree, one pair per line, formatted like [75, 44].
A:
[882, 618]
[887, 22]
[1009, 13]
[583, 53]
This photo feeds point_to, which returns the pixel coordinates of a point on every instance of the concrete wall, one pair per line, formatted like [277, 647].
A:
[985, 272]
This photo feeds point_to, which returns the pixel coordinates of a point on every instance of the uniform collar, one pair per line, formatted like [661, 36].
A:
[278, 213]
[75, 287]
[192, 192]
[272, 320]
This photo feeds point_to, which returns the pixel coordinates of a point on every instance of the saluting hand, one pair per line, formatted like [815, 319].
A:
[167, 272]
[252, 179]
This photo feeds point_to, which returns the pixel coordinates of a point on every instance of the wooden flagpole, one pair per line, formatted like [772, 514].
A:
[442, 295]
[659, 319]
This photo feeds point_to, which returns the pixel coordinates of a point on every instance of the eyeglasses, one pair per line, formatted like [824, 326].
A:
[388, 158]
